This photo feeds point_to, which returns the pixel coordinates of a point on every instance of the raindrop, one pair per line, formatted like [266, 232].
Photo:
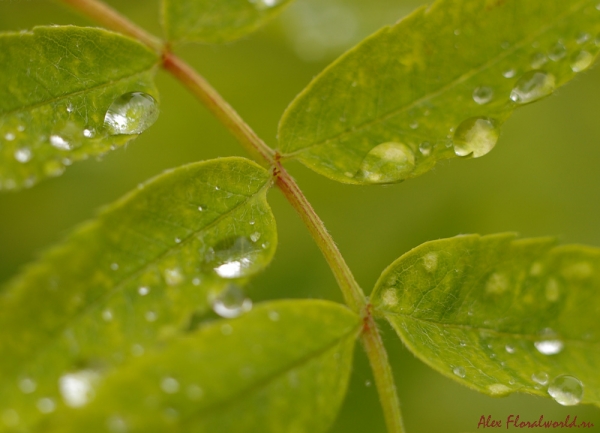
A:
[150, 316]
[386, 163]
[425, 148]
[143, 291]
[509, 73]
[273, 316]
[231, 302]
[483, 94]
[549, 347]
[173, 277]
[107, 315]
[414, 124]
[430, 261]
[69, 108]
[233, 258]
[255, 236]
[510, 349]
[538, 60]
[46, 405]
[541, 378]
[76, 388]
[462, 344]
[200, 208]
[581, 60]
[566, 390]
[60, 142]
[582, 38]
[88, 133]
[177, 240]
[459, 371]
[27, 385]
[498, 389]
[533, 85]
[23, 154]
[169, 385]
[476, 136]
[131, 113]
[251, 222]
[557, 52]
[9, 136]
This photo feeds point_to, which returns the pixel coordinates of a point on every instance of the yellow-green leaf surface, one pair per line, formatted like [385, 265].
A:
[436, 85]
[142, 272]
[67, 93]
[282, 367]
[216, 21]
[500, 315]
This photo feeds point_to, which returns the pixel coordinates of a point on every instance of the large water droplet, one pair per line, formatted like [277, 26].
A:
[540, 378]
[231, 302]
[581, 60]
[386, 163]
[131, 113]
[77, 389]
[566, 390]
[483, 95]
[476, 136]
[233, 258]
[533, 85]
[549, 347]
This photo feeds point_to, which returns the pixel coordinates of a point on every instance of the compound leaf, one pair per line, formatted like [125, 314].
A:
[500, 315]
[67, 93]
[216, 21]
[436, 85]
[282, 367]
[148, 268]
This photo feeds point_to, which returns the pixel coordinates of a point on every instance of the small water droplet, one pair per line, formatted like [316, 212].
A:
[233, 258]
[538, 60]
[200, 208]
[582, 38]
[107, 315]
[566, 390]
[462, 344]
[540, 378]
[476, 136]
[368, 383]
[9, 136]
[27, 385]
[114, 266]
[143, 291]
[131, 113]
[194, 392]
[425, 148]
[251, 222]
[483, 94]
[177, 240]
[510, 349]
[581, 60]
[459, 371]
[231, 302]
[509, 73]
[255, 236]
[430, 261]
[173, 276]
[274, 316]
[46, 405]
[169, 385]
[23, 155]
[533, 85]
[557, 52]
[386, 163]
[414, 124]
[60, 142]
[88, 133]
[549, 347]
[498, 389]
[77, 389]
[69, 108]
[150, 316]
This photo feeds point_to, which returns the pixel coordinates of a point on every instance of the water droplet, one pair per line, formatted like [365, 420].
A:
[231, 302]
[23, 155]
[538, 60]
[77, 389]
[459, 371]
[173, 277]
[557, 52]
[194, 392]
[60, 142]
[107, 315]
[264, 4]
[53, 168]
[233, 258]
[27, 385]
[541, 378]
[462, 344]
[533, 85]
[582, 38]
[255, 236]
[497, 284]
[9, 136]
[10, 418]
[498, 389]
[552, 290]
[150, 316]
[430, 261]
[387, 162]
[88, 133]
[581, 60]
[131, 113]
[143, 291]
[390, 297]
[274, 316]
[177, 240]
[169, 385]
[476, 136]
[414, 124]
[549, 347]
[200, 208]
[69, 108]
[196, 281]
[251, 222]
[510, 349]
[509, 73]
[483, 94]
[114, 266]
[425, 148]
[566, 390]
[46, 405]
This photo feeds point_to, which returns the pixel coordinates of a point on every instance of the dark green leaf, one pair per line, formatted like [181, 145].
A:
[436, 85]
[497, 314]
[67, 93]
[216, 21]
[283, 367]
[179, 245]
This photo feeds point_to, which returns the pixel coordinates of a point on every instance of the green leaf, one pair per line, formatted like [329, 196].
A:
[437, 85]
[67, 93]
[283, 367]
[216, 21]
[144, 271]
[497, 314]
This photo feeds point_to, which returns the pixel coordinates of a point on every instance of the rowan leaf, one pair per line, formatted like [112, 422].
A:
[68, 93]
[216, 21]
[150, 267]
[437, 85]
[500, 315]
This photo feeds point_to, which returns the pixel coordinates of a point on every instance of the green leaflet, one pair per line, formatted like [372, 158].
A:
[216, 21]
[497, 314]
[282, 367]
[57, 87]
[133, 278]
[438, 84]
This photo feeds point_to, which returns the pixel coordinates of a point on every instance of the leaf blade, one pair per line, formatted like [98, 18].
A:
[496, 314]
[414, 84]
[58, 84]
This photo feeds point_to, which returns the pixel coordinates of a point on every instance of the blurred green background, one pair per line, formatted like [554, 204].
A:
[542, 178]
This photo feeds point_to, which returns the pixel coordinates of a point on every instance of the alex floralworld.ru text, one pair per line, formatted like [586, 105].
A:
[514, 421]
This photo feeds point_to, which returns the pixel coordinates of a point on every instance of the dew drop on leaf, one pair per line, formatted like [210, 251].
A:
[264, 4]
[77, 388]
[273, 316]
[60, 142]
[538, 60]
[425, 148]
[540, 378]
[9, 136]
[459, 371]
[510, 349]
[498, 389]
[581, 60]
[386, 163]
[131, 113]
[233, 258]
[533, 85]
[231, 302]
[173, 276]
[476, 136]
[557, 52]
[509, 73]
[483, 94]
[169, 385]
[582, 38]
[566, 390]
[549, 347]
[143, 291]
[46, 405]
[23, 155]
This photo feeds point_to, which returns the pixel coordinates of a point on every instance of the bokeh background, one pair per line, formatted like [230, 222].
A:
[543, 178]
